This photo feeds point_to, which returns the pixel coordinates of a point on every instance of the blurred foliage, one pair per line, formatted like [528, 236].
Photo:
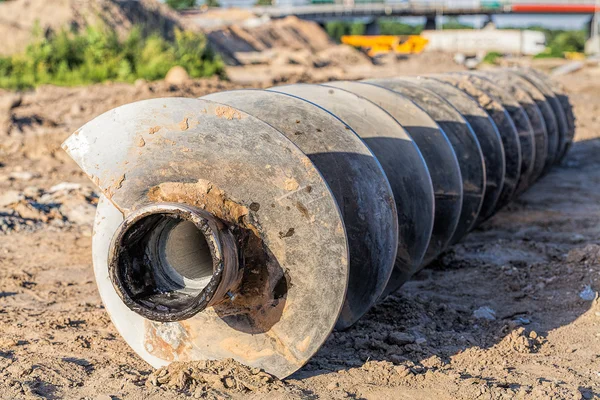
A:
[560, 41]
[454, 23]
[263, 3]
[492, 57]
[337, 29]
[391, 27]
[181, 4]
[97, 54]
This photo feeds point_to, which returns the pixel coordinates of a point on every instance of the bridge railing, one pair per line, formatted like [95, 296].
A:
[415, 6]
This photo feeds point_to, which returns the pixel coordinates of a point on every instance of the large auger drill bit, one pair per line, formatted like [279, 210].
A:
[248, 224]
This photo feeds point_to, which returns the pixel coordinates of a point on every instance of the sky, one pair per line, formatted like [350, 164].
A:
[550, 21]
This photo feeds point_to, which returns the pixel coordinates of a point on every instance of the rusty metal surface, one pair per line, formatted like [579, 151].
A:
[464, 143]
[437, 152]
[400, 158]
[487, 134]
[246, 173]
[355, 177]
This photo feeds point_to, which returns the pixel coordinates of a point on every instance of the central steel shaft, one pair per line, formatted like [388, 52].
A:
[169, 262]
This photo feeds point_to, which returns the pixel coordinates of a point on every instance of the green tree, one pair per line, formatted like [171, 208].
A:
[454, 23]
[391, 27]
[181, 4]
[338, 29]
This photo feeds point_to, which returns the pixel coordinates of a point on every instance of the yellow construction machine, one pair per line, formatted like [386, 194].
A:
[383, 44]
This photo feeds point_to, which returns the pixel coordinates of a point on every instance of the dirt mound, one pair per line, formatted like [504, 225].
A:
[19, 18]
[217, 379]
[289, 34]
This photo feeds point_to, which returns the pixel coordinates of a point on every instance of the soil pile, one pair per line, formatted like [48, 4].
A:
[209, 378]
[20, 18]
[290, 34]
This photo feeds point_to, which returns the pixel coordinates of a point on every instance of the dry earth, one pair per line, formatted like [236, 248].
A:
[536, 265]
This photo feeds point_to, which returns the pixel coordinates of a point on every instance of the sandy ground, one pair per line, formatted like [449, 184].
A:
[531, 264]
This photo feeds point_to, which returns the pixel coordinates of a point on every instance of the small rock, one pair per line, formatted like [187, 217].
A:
[332, 386]
[471, 63]
[177, 76]
[66, 186]
[402, 371]
[79, 214]
[229, 382]
[587, 294]
[459, 58]
[485, 313]
[22, 176]
[400, 338]
[420, 340]
[397, 358]
[522, 321]
[32, 192]
[10, 197]
[533, 335]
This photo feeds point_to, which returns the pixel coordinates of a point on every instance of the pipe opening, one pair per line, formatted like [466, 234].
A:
[167, 263]
[184, 255]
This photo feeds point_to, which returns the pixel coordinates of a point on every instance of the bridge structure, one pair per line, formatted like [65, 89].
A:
[326, 10]
[370, 11]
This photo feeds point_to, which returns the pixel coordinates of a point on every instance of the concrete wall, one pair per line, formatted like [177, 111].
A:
[473, 42]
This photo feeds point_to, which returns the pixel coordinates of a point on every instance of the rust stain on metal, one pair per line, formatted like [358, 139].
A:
[227, 113]
[283, 348]
[206, 195]
[244, 351]
[303, 345]
[291, 184]
[165, 141]
[262, 296]
[290, 232]
[169, 341]
[303, 210]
